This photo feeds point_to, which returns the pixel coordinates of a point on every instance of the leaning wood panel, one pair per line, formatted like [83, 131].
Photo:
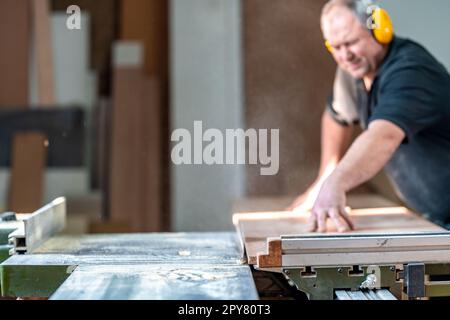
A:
[135, 176]
[15, 44]
[135, 162]
[149, 160]
[30, 153]
[43, 49]
[29, 158]
[125, 148]
[147, 21]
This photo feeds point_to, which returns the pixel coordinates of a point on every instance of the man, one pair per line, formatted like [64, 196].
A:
[400, 95]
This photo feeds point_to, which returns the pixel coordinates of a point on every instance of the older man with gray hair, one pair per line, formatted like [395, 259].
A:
[400, 95]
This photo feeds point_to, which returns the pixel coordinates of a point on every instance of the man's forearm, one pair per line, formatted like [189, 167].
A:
[335, 142]
[368, 155]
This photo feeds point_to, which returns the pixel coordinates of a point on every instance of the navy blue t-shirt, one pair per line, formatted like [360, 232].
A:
[412, 90]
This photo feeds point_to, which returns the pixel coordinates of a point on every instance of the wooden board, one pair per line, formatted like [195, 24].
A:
[148, 22]
[125, 148]
[135, 190]
[30, 153]
[29, 157]
[266, 204]
[150, 161]
[43, 49]
[14, 61]
[255, 224]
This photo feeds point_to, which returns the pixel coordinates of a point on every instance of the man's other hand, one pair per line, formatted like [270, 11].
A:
[305, 202]
[330, 204]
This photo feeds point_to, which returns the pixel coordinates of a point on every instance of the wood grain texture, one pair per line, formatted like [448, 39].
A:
[274, 203]
[30, 153]
[29, 158]
[15, 40]
[43, 48]
[271, 258]
[150, 161]
[256, 224]
[125, 148]
[147, 22]
[135, 183]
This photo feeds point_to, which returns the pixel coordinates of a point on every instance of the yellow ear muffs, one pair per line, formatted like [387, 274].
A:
[384, 28]
[328, 46]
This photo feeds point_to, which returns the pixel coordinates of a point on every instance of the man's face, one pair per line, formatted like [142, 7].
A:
[354, 48]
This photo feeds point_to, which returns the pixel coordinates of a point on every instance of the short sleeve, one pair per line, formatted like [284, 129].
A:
[343, 102]
[409, 98]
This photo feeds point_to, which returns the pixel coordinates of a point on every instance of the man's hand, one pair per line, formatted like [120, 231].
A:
[365, 158]
[330, 203]
[305, 201]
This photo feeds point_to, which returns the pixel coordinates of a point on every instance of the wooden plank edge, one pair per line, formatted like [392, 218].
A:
[272, 259]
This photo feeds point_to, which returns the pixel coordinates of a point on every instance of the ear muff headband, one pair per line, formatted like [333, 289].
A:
[382, 28]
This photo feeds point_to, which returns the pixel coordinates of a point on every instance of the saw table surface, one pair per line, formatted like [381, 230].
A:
[132, 266]
[212, 248]
[257, 220]
[162, 281]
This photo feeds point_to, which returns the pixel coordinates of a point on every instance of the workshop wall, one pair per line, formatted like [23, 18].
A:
[423, 21]
[205, 86]
[288, 75]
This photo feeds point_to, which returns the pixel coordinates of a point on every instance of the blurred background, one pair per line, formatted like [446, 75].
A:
[88, 113]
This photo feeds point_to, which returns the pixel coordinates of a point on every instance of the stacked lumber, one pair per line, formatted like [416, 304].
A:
[30, 20]
[134, 179]
[139, 94]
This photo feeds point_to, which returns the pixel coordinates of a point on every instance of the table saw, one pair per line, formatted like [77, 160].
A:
[394, 254]
[178, 266]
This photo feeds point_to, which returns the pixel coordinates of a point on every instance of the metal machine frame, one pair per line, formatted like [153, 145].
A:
[380, 267]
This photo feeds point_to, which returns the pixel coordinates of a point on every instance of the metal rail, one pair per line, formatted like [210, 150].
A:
[38, 227]
[365, 249]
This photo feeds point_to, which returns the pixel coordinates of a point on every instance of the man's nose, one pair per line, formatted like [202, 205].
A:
[345, 54]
